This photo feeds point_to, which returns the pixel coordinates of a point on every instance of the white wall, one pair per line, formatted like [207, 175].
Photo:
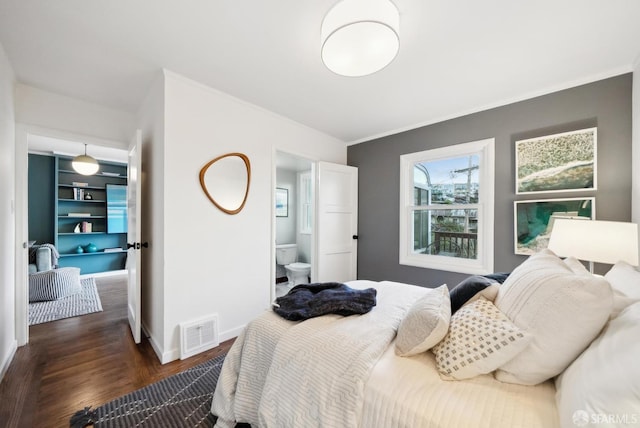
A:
[49, 110]
[635, 162]
[8, 341]
[215, 262]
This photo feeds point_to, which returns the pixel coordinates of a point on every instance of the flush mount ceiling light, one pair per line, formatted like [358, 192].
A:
[85, 164]
[360, 37]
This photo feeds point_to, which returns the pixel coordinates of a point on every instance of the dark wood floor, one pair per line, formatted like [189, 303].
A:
[82, 361]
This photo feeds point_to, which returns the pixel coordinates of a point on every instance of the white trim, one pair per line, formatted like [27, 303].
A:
[154, 344]
[104, 274]
[8, 358]
[22, 235]
[22, 132]
[230, 334]
[511, 100]
[301, 177]
[484, 263]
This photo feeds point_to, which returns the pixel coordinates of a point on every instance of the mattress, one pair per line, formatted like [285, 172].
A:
[408, 392]
[395, 392]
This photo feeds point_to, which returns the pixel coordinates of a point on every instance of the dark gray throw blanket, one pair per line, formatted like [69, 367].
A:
[306, 301]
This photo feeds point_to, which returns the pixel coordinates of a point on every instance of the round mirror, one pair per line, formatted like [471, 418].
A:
[225, 180]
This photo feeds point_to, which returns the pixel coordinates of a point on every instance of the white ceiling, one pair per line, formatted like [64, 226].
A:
[39, 144]
[456, 57]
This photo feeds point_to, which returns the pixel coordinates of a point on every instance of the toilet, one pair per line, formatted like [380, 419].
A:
[297, 273]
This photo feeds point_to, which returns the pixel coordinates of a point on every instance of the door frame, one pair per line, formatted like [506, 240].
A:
[274, 167]
[22, 133]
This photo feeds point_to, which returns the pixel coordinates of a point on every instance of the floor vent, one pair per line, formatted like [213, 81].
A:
[198, 336]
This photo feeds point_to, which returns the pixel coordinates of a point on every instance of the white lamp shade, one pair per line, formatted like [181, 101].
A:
[595, 241]
[85, 165]
[360, 37]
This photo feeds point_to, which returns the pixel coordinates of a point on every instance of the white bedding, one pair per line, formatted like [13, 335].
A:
[407, 392]
[342, 371]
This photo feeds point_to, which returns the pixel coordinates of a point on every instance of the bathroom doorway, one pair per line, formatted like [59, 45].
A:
[294, 196]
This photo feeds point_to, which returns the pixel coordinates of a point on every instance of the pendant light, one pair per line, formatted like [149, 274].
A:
[360, 37]
[85, 164]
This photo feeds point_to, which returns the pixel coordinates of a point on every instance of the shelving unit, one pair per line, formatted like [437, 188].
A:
[74, 212]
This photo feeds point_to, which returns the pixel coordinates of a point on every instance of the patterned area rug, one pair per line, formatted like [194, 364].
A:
[182, 400]
[85, 302]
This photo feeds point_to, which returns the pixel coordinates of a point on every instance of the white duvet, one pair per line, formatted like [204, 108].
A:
[335, 371]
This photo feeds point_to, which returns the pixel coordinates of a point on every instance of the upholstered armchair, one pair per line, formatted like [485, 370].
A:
[40, 259]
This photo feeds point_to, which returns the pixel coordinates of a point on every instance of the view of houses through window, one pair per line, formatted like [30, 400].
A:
[445, 217]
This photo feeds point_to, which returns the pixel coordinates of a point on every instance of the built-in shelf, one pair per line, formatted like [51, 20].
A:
[99, 201]
[97, 253]
[80, 233]
[70, 198]
[81, 216]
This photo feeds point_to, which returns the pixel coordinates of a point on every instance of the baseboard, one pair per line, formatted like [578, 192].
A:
[6, 361]
[152, 341]
[105, 274]
[174, 354]
[230, 334]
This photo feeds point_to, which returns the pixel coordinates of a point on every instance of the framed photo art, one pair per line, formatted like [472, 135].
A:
[282, 202]
[533, 220]
[557, 163]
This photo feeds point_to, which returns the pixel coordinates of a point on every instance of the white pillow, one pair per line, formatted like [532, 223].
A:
[625, 282]
[563, 311]
[490, 293]
[624, 278]
[480, 339]
[425, 324]
[604, 381]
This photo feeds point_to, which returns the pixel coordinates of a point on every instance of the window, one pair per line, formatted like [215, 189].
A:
[305, 197]
[446, 208]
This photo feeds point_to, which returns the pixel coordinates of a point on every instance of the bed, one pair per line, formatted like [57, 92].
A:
[336, 371]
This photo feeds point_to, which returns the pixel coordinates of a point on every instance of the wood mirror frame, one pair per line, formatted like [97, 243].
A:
[203, 184]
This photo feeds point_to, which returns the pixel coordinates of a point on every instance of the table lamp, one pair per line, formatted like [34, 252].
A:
[595, 241]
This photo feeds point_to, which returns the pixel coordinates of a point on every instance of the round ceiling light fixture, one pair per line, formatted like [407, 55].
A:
[360, 37]
[85, 164]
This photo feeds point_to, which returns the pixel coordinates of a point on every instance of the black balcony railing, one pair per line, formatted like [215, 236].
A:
[455, 244]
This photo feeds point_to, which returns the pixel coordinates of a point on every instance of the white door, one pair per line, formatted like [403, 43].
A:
[133, 235]
[337, 225]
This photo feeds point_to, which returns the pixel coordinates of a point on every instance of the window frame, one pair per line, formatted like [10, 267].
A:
[305, 202]
[483, 264]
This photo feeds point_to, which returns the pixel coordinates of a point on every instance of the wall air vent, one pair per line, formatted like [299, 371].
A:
[198, 336]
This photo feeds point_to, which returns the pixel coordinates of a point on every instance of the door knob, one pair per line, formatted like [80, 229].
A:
[131, 245]
[145, 244]
[355, 236]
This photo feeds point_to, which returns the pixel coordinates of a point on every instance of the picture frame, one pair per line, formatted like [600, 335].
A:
[282, 202]
[533, 220]
[565, 162]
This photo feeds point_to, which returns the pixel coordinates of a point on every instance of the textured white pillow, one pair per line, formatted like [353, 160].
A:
[480, 339]
[563, 311]
[604, 381]
[425, 324]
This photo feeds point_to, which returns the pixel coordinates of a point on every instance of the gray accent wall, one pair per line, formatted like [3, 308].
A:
[605, 104]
